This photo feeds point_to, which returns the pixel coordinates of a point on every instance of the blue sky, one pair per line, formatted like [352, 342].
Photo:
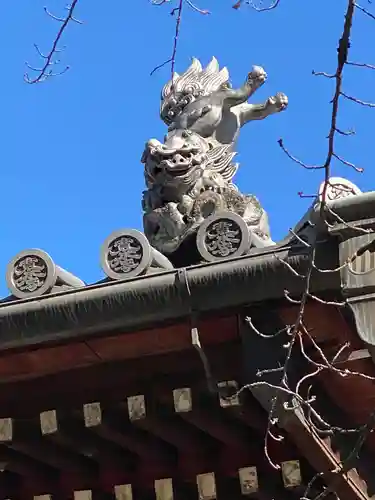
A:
[71, 147]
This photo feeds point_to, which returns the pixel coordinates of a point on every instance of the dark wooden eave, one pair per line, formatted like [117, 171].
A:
[91, 431]
[76, 422]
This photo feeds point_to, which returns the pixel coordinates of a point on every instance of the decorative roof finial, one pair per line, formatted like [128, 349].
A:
[189, 176]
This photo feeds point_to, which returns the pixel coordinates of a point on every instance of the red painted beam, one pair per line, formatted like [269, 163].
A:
[46, 359]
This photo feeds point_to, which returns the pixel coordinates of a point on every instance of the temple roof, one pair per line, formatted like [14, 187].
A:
[68, 307]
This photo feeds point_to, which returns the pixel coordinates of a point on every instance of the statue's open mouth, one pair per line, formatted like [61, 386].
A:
[176, 171]
[177, 164]
[175, 168]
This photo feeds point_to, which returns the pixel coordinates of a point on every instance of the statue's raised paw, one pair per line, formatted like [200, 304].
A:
[257, 76]
[278, 102]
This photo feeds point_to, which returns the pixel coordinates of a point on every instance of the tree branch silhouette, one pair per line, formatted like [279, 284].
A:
[45, 71]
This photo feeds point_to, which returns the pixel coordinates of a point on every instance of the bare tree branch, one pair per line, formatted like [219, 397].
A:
[45, 72]
[358, 101]
[365, 11]
[342, 57]
[361, 65]
[298, 330]
[178, 12]
[273, 5]
[172, 59]
[296, 160]
[347, 163]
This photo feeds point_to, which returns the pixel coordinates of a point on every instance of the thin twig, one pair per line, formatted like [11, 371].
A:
[348, 164]
[365, 11]
[178, 12]
[197, 9]
[358, 101]
[172, 59]
[44, 72]
[273, 5]
[296, 160]
[361, 65]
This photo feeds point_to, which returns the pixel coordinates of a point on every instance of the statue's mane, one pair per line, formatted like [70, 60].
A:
[197, 79]
[193, 83]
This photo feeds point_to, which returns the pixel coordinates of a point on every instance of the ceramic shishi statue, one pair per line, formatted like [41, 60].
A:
[189, 176]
